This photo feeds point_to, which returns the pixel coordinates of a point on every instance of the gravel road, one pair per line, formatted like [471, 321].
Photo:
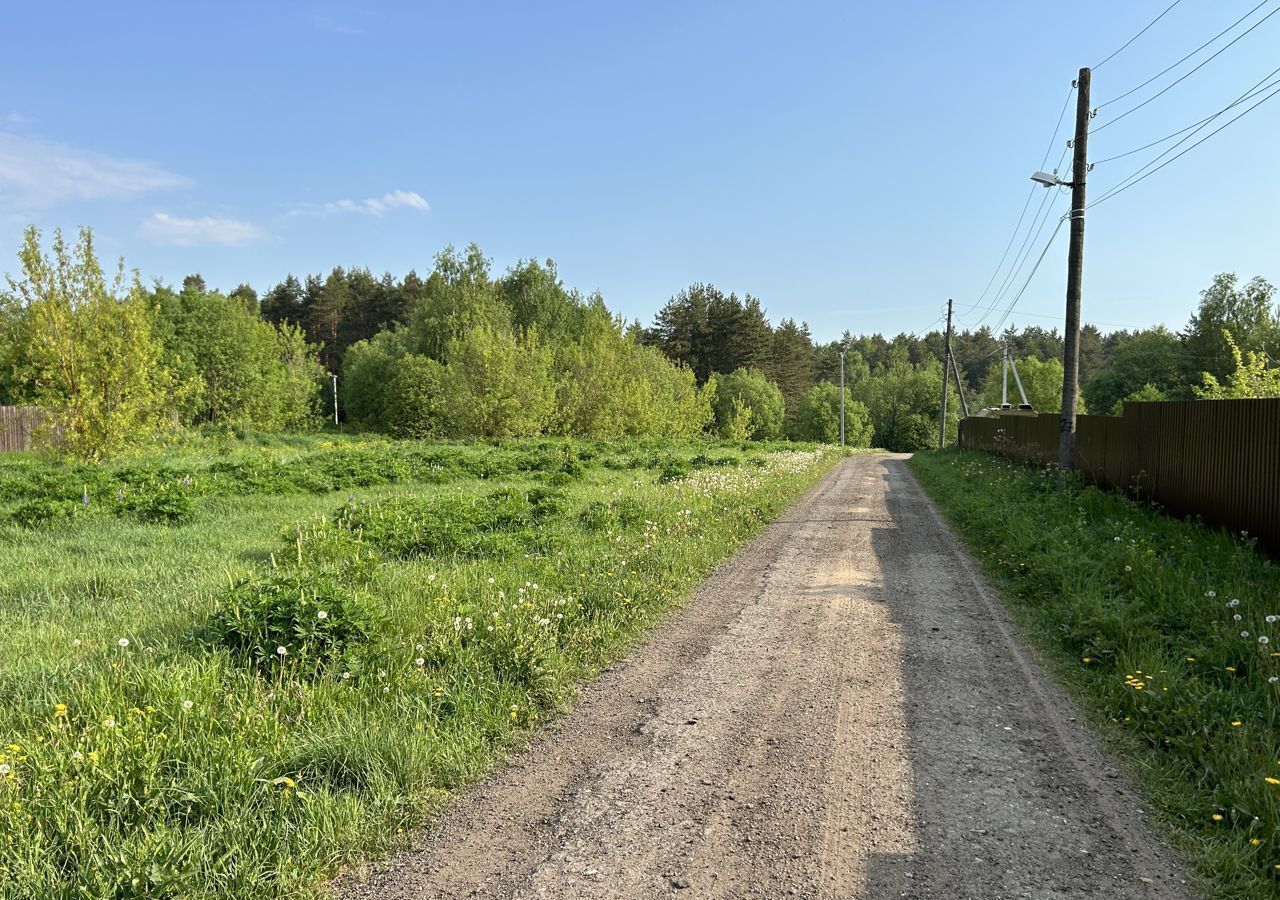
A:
[842, 710]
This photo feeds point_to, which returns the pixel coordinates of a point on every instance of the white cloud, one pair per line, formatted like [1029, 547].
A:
[166, 229]
[371, 206]
[38, 173]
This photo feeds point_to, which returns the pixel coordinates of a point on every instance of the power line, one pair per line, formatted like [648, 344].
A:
[1131, 180]
[1027, 203]
[1139, 34]
[1187, 75]
[1031, 275]
[1247, 95]
[1024, 252]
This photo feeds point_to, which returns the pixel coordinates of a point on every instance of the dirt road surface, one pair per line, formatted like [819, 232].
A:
[843, 710]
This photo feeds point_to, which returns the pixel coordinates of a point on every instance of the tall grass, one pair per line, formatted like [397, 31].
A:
[1168, 632]
[237, 701]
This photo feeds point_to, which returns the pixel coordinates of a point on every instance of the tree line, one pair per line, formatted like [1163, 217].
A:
[468, 352]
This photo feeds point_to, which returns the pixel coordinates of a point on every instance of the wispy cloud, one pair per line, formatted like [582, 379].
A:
[38, 173]
[345, 20]
[166, 229]
[371, 206]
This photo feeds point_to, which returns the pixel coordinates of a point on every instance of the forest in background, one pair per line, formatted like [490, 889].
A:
[465, 352]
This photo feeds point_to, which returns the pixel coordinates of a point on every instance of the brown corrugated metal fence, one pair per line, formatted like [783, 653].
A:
[1217, 459]
[16, 426]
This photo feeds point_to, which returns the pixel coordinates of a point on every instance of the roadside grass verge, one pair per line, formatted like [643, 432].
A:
[1168, 634]
[239, 701]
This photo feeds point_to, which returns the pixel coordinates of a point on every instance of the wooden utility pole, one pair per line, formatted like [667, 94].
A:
[942, 424]
[1075, 274]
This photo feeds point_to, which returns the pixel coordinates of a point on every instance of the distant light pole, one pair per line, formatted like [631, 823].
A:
[335, 399]
[841, 396]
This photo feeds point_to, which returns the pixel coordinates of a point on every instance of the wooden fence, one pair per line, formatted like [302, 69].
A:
[16, 425]
[1217, 459]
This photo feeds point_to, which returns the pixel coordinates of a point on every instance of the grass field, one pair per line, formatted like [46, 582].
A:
[1167, 632]
[230, 668]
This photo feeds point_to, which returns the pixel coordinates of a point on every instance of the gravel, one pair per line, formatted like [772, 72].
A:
[842, 710]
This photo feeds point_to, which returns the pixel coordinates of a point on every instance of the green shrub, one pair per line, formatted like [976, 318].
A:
[309, 616]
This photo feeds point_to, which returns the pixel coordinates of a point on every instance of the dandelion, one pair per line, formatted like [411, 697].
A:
[1273, 679]
[1236, 724]
[1237, 617]
[346, 676]
[1217, 817]
[123, 642]
[1263, 639]
[1230, 668]
[4, 770]
[1191, 659]
[282, 650]
[1257, 842]
[77, 756]
[76, 642]
[1270, 780]
[60, 710]
[419, 661]
[1128, 568]
[322, 615]
[1271, 620]
[1233, 603]
[109, 722]
[1211, 594]
[187, 704]
[1244, 634]
[491, 580]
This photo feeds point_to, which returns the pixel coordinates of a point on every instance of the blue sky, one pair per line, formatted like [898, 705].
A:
[851, 164]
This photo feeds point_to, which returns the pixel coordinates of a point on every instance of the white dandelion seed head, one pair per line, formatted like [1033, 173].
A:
[1211, 594]
[1244, 634]
[4, 769]
[1263, 639]
[187, 704]
[282, 650]
[123, 642]
[1271, 620]
[1273, 679]
[419, 661]
[322, 615]
[1128, 568]
[76, 642]
[491, 580]
[346, 675]
[1233, 603]
[1237, 617]
[109, 722]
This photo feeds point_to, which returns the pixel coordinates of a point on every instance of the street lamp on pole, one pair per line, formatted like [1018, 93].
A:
[842, 352]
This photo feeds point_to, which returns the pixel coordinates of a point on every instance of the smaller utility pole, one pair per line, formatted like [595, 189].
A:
[942, 425]
[335, 399]
[842, 351]
[1004, 385]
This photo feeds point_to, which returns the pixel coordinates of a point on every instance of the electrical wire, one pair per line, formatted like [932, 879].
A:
[1030, 275]
[1247, 95]
[1139, 34]
[1024, 252]
[1131, 180]
[1187, 75]
[1027, 203]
